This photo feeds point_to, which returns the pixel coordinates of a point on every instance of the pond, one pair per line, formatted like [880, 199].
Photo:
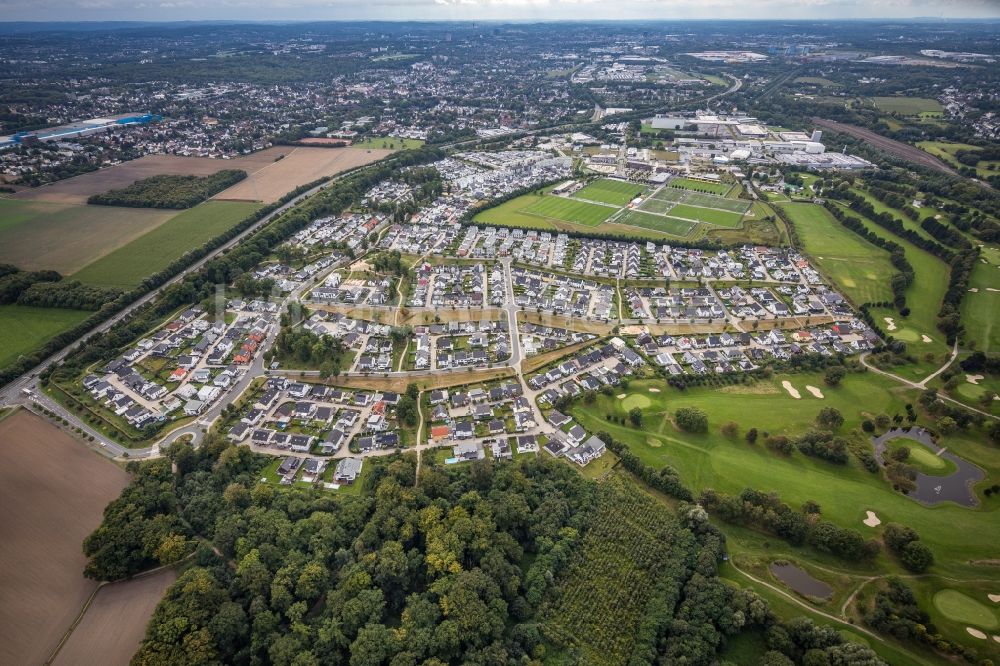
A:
[800, 580]
[931, 490]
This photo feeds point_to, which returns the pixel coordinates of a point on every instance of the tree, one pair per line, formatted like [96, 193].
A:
[946, 425]
[882, 421]
[829, 418]
[691, 419]
[916, 557]
[751, 436]
[730, 429]
[635, 416]
[834, 374]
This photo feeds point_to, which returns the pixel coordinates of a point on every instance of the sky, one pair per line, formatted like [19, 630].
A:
[483, 10]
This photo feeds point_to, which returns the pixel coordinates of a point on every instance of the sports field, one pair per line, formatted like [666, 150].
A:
[388, 143]
[721, 218]
[700, 186]
[569, 210]
[154, 251]
[667, 225]
[615, 192]
[861, 270]
[908, 106]
[24, 328]
[65, 237]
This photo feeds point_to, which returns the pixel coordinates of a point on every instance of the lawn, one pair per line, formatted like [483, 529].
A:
[861, 270]
[388, 142]
[923, 459]
[946, 151]
[980, 308]
[817, 81]
[25, 328]
[962, 608]
[700, 186]
[609, 191]
[721, 218]
[568, 210]
[712, 201]
[129, 265]
[908, 106]
[511, 214]
[668, 225]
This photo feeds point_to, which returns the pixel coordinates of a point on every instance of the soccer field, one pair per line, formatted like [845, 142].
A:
[700, 186]
[720, 218]
[569, 210]
[668, 225]
[615, 192]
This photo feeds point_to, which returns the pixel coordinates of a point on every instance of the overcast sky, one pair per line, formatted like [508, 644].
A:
[181, 10]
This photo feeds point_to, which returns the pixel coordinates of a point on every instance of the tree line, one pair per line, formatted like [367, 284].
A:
[169, 191]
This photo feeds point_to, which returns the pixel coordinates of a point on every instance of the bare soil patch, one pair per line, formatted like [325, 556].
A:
[78, 189]
[300, 166]
[53, 491]
[115, 623]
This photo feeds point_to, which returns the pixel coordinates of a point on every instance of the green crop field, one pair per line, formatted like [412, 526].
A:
[25, 328]
[569, 210]
[388, 142]
[668, 225]
[861, 270]
[908, 106]
[722, 218]
[154, 251]
[614, 192]
[700, 186]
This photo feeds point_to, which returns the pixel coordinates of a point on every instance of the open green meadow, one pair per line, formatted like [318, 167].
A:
[817, 81]
[130, 264]
[700, 186]
[908, 106]
[388, 143]
[946, 151]
[615, 192]
[24, 328]
[861, 270]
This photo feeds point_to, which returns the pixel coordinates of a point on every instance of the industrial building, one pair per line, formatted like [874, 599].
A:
[78, 129]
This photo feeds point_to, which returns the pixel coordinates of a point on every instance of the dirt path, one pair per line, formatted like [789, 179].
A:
[420, 433]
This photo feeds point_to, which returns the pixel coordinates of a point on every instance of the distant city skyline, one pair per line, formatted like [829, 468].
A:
[484, 10]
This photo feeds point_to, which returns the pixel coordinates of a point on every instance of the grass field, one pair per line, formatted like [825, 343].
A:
[568, 210]
[721, 218]
[700, 186]
[861, 270]
[152, 252]
[924, 459]
[53, 491]
[66, 237]
[946, 150]
[24, 328]
[615, 192]
[668, 225]
[817, 81]
[980, 308]
[388, 143]
[962, 608]
[908, 106]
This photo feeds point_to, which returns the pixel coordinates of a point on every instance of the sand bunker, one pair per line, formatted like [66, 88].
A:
[976, 633]
[792, 391]
[815, 391]
[872, 520]
[926, 338]
[974, 290]
[654, 390]
[991, 289]
[621, 396]
[973, 379]
[890, 325]
[997, 639]
[995, 598]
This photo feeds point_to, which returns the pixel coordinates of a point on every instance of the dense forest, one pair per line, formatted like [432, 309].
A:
[486, 564]
[169, 191]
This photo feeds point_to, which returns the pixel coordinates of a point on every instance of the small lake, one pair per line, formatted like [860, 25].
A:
[936, 489]
[801, 581]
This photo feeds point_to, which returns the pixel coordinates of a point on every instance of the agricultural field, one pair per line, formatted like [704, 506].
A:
[908, 106]
[721, 189]
[958, 536]
[25, 328]
[388, 143]
[65, 237]
[115, 622]
[861, 270]
[299, 166]
[154, 251]
[615, 192]
[42, 589]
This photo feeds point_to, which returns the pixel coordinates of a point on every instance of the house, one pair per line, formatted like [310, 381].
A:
[501, 449]
[470, 451]
[289, 465]
[347, 470]
[238, 432]
[301, 443]
[557, 419]
[527, 444]
[193, 407]
[591, 449]
[440, 432]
